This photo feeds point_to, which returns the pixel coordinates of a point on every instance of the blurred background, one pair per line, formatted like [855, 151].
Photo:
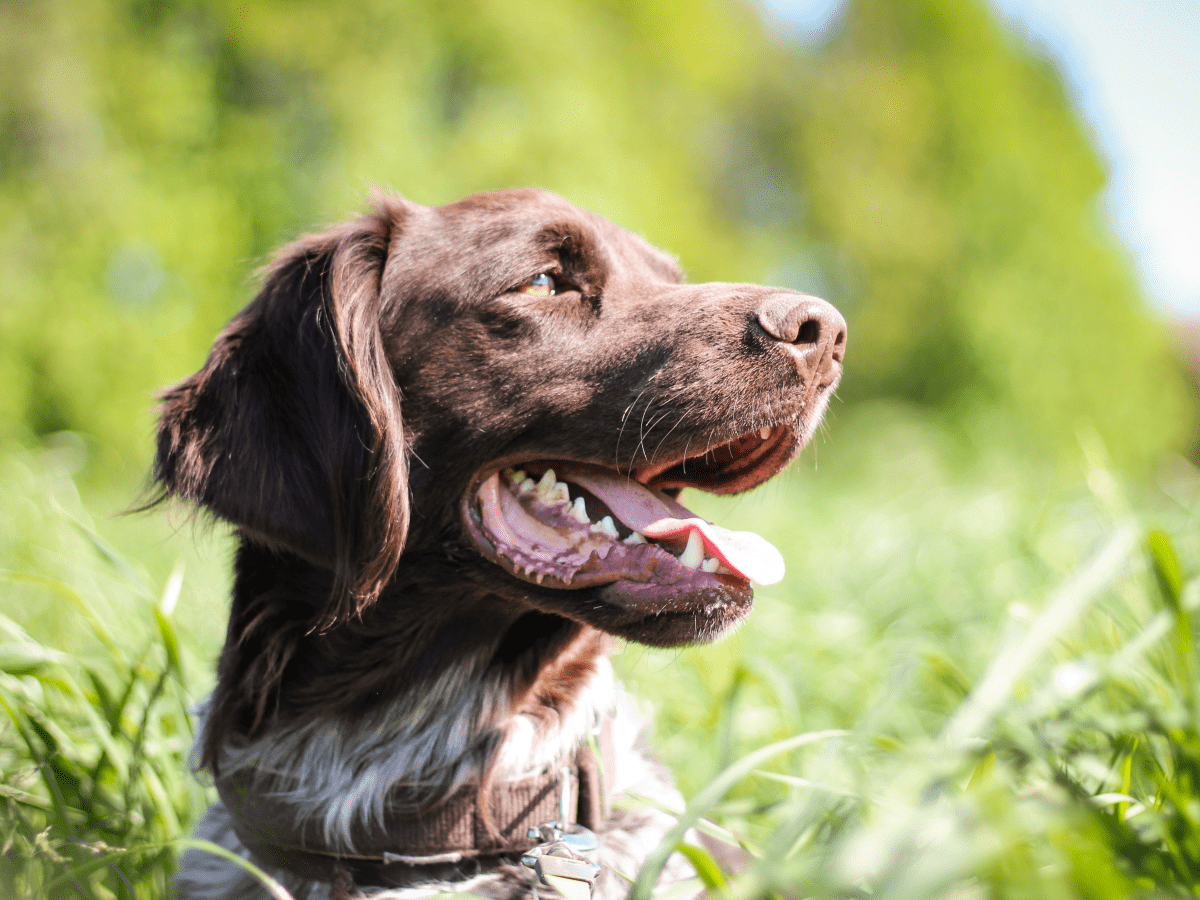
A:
[1002, 200]
[922, 164]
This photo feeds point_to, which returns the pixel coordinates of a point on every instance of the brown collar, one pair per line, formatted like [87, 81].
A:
[446, 833]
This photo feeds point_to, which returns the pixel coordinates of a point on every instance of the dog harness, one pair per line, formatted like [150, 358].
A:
[547, 818]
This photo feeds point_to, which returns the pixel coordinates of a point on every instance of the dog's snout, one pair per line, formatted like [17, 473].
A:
[812, 328]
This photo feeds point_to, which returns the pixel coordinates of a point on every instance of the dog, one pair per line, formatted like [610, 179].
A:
[451, 442]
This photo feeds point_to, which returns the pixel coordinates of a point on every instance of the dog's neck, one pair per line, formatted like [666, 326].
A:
[475, 689]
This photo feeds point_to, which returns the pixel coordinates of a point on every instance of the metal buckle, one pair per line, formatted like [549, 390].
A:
[556, 857]
[550, 863]
[575, 836]
[571, 877]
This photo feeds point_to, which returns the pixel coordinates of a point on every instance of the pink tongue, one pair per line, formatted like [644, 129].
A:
[657, 516]
[748, 554]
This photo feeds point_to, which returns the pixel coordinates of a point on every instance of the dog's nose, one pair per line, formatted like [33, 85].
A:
[813, 329]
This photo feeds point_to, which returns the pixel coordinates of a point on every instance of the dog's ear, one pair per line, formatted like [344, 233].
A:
[291, 430]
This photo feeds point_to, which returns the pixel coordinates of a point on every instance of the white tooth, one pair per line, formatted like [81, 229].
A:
[722, 569]
[527, 487]
[606, 526]
[710, 565]
[635, 538]
[546, 484]
[558, 493]
[693, 553]
[764, 432]
[516, 477]
[579, 511]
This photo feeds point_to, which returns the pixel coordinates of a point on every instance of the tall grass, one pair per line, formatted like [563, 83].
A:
[976, 682]
[998, 669]
[95, 731]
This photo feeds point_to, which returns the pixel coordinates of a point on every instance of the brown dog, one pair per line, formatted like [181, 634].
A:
[451, 441]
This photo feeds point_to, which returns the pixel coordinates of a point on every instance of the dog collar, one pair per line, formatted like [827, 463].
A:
[452, 831]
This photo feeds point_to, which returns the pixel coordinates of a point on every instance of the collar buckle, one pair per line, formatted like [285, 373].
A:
[556, 858]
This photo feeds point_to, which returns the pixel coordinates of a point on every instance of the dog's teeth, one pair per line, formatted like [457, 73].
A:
[606, 526]
[551, 490]
[578, 511]
[515, 476]
[710, 565]
[764, 432]
[546, 484]
[635, 538]
[723, 569]
[528, 486]
[693, 554]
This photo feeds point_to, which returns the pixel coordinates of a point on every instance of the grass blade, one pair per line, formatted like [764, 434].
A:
[1010, 665]
[643, 887]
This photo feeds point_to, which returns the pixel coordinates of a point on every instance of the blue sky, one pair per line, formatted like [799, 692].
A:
[1133, 68]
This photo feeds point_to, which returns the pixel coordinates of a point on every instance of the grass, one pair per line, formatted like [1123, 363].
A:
[978, 680]
[95, 729]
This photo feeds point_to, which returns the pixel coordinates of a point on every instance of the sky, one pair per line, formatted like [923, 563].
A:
[1133, 69]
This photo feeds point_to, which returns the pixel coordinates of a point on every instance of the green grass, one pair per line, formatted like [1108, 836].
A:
[95, 728]
[978, 680]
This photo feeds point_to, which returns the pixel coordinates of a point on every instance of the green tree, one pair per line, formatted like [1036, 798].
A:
[922, 169]
[955, 193]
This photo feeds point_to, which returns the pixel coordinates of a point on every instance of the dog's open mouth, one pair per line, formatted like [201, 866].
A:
[572, 525]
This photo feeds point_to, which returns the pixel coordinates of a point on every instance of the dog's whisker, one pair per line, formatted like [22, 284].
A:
[642, 432]
[624, 420]
[678, 421]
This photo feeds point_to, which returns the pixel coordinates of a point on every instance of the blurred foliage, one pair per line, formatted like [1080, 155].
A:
[922, 169]
[948, 175]
[996, 674]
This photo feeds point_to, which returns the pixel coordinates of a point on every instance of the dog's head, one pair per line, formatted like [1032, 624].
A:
[512, 386]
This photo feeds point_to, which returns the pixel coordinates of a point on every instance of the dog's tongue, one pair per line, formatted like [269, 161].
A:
[659, 517]
[746, 553]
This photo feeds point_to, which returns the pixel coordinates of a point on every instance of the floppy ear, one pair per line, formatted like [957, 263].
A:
[292, 430]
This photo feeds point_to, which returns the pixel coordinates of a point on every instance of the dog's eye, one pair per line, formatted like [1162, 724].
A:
[540, 285]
